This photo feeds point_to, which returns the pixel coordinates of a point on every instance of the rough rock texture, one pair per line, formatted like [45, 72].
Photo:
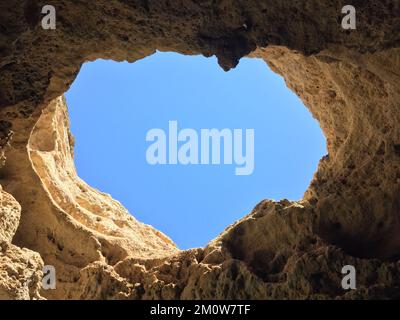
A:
[20, 269]
[349, 80]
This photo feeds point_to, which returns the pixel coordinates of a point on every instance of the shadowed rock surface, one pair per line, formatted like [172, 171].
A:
[350, 215]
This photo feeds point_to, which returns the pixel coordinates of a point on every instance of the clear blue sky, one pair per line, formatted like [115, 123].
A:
[113, 105]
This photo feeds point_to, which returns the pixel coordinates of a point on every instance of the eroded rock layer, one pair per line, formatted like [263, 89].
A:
[350, 215]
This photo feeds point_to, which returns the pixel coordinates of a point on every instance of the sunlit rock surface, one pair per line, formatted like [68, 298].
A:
[350, 215]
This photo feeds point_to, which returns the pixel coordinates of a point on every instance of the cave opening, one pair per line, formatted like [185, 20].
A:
[114, 105]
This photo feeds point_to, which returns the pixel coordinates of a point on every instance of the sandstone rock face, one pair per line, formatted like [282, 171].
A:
[20, 268]
[350, 215]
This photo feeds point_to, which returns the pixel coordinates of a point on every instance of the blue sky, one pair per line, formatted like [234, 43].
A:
[113, 105]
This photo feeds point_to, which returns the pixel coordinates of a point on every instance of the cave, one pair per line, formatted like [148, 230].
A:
[193, 195]
[350, 214]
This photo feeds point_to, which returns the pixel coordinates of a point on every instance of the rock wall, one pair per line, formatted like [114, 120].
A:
[349, 80]
[20, 268]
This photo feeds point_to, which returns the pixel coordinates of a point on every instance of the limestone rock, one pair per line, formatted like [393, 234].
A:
[20, 273]
[10, 213]
[20, 269]
[350, 214]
